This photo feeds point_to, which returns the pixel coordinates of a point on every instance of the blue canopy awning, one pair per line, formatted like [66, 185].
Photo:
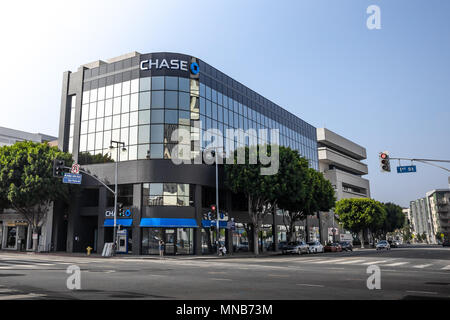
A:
[168, 223]
[122, 222]
[207, 224]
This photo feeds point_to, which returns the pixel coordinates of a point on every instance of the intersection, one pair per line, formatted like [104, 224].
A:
[421, 272]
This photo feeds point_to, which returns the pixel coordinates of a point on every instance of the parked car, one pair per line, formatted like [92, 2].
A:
[383, 245]
[333, 247]
[282, 245]
[296, 247]
[315, 247]
[346, 245]
[446, 243]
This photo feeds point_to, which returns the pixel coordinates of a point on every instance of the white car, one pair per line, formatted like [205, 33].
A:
[315, 247]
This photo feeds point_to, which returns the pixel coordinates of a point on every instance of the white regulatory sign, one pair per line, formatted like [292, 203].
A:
[75, 168]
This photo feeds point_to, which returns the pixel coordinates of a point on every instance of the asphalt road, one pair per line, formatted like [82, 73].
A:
[421, 272]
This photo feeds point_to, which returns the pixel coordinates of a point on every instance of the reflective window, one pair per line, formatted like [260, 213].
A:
[157, 99]
[184, 101]
[144, 100]
[144, 117]
[183, 84]
[171, 99]
[157, 83]
[145, 84]
[144, 134]
[171, 116]
[171, 83]
[157, 116]
[157, 133]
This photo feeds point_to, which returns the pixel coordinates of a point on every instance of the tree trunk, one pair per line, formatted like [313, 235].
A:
[306, 230]
[320, 227]
[361, 238]
[255, 240]
[35, 241]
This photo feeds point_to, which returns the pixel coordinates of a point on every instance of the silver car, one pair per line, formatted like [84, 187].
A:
[383, 245]
[315, 247]
[296, 247]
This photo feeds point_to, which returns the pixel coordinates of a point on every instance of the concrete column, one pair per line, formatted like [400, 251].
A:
[102, 201]
[137, 215]
[198, 218]
[72, 226]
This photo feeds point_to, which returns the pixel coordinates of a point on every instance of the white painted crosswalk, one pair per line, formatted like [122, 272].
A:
[13, 294]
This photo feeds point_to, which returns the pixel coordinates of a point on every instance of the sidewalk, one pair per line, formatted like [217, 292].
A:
[144, 257]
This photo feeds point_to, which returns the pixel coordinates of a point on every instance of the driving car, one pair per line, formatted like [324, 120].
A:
[446, 243]
[296, 247]
[333, 247]
[315, 247]
[346, 245]
[383, 245]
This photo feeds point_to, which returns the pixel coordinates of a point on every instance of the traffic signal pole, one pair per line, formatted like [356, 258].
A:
[217, 205]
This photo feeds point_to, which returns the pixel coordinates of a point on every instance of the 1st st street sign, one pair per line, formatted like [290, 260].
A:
[406, 169]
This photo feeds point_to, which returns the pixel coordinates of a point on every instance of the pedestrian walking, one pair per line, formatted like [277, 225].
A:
[161, 249]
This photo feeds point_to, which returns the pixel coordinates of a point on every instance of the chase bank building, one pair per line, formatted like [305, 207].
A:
[140, 100]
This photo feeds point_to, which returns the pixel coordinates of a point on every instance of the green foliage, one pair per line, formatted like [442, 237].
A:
[360, 213]
[26, 174]
[87, 158]
[395, 218]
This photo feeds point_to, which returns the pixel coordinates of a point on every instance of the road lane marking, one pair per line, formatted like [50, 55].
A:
[21, 296]
[421, 266]
[446, 267]
[330, 261]
[278, 275]
[374, 262]
[423, 292]
[310, 285]
[351, 261]
[395, 264]
[218, 279]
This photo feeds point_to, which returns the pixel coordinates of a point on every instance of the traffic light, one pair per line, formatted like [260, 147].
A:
[384, 162]
[58, 168]
[213, 211]
[120, 212]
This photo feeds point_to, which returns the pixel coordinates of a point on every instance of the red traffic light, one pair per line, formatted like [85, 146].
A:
[383, 155]
[213, 208]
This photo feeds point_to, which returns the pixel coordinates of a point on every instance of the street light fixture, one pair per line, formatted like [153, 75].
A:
[117, 144]
[214, 153]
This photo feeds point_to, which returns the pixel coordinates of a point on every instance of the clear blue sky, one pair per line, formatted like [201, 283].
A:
[385, 89]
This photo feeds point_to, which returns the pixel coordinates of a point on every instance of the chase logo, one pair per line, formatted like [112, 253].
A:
[195, 69]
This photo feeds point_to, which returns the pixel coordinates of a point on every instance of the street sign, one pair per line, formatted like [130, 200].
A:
[72, 178]
[406, 169]
[75, 168]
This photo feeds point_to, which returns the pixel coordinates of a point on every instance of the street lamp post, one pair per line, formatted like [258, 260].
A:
[217, 201]
[117, 143]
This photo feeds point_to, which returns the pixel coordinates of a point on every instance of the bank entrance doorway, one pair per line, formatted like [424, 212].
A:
[177, 241]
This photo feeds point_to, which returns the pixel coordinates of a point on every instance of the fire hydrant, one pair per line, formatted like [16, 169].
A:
[89, 249]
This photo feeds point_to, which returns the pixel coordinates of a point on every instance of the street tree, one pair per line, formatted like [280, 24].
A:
[395, 218]
[359, 214]
[313, 194]
[263, 191]
[27, 183]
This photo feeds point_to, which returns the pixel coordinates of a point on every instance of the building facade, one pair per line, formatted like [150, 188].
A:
[340, 161]
[141, 100]
[15, 233]
[431, 215]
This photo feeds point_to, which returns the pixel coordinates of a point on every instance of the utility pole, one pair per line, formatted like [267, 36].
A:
[117, 143]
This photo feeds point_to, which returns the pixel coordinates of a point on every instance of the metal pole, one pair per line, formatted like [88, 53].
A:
[217, 204]
[115, 200]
